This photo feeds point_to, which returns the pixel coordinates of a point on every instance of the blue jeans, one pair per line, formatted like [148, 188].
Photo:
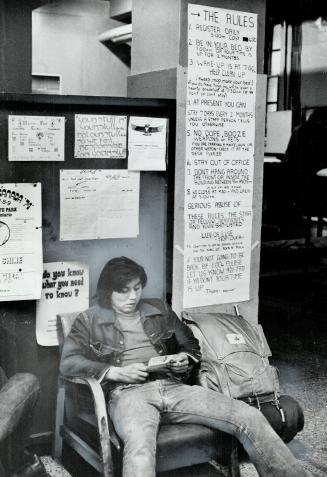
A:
[136, 411]
[18, 396]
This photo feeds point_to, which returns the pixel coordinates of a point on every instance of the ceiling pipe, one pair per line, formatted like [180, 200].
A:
[121, 34]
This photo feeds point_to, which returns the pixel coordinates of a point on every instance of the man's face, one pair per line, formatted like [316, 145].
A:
[128, 298]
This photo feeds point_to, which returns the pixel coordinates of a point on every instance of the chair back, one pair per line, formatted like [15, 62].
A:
[65, 322]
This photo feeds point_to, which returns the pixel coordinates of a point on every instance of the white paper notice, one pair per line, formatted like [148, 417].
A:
[100, 136]
[98, 204]
[65, 288]
[147, 139]
[20, 242]
[220, 128]
[36, 138]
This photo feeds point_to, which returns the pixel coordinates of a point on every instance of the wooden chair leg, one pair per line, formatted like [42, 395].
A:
[234, 465]
[58, 440]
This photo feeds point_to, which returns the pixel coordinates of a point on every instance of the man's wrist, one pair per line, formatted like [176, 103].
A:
[113, 373]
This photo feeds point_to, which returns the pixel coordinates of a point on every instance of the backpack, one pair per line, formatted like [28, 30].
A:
[234, 357]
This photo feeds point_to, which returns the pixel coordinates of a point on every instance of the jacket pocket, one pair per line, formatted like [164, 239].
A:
[101, 351]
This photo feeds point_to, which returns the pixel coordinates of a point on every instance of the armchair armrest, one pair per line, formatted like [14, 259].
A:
[100, 405]
[101, 414]
[96, 390]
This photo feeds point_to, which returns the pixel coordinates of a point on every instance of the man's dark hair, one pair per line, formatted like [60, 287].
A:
[114, 277]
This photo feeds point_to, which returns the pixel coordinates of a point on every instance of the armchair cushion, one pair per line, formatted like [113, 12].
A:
[181, 445]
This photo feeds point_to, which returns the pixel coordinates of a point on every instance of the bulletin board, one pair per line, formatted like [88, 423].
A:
[152, 247]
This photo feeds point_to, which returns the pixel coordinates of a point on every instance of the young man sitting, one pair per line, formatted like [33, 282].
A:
[113, 342]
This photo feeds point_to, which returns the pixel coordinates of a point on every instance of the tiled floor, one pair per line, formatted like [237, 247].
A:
[302, 361]
[54, 469]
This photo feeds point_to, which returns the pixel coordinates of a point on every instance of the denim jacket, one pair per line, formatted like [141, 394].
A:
[96, 342]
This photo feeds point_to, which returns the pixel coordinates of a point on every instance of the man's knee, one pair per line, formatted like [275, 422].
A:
[25, 385]
[17, 401]
[27, 380]
[22, 389]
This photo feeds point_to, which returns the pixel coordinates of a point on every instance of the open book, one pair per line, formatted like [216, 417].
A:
[160, 363]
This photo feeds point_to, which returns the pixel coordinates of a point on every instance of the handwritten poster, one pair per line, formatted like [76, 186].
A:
[100, 136]
[36, 138]
[98, 204]
[220, 128]
[20, 242]
[65, 288]
[147, 139]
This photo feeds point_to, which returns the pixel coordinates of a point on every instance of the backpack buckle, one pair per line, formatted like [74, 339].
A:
[258, 402]
[280, 409]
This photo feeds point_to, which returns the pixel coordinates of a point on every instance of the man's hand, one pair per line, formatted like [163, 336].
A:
[178, 363]
[131, 374]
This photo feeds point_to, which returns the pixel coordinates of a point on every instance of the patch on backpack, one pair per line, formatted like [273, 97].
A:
[235, 338]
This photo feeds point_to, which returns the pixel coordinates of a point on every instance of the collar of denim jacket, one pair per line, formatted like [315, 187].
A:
[107, 315]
